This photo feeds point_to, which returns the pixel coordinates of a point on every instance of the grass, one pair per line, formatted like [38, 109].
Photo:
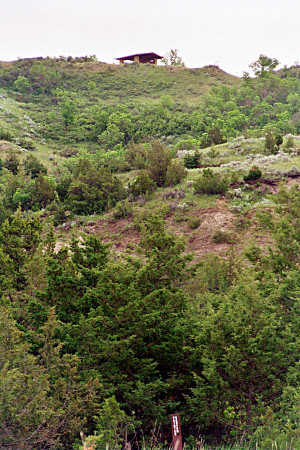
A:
[133, 85]
[285, 165]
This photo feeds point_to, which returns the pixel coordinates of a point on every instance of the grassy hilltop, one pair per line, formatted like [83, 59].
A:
[149, 239]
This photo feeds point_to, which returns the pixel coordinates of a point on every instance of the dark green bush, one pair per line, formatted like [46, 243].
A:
[192, 161]
[34, 166]
[57, 208]
[210, 183]
[204, 141]
[158, 161]
[278, 139]
[254, 174]
[12, 163]
[94, 192]
[43, 192]
[63, 181]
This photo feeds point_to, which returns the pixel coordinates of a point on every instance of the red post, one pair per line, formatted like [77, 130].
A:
[176, 431]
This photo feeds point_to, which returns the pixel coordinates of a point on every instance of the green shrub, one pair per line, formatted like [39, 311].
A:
[192, 161]
[158, 161]
[210, 183]
[215, 136]
[212, 153]
[242, 223]
[92, 191]
[223, 237]
[43, 192]
[194, 222]
[176, 172]
[254, 174]
[136, 155]
[34, 166]
[270, 143]
[205, 140]
[186, 144]
[111, 136]
[59, 212]
[21, 198]
[12, 163]
[289, 143]
[6, 135]
[123, 209]
[143, 184]
[234, 177]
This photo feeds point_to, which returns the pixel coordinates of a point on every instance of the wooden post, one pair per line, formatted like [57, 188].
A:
[176, 431]
[137, 58]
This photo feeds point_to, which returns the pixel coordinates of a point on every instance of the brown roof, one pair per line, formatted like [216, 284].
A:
[144, 57]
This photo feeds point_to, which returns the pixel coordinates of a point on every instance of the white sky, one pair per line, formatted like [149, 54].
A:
[229, 33]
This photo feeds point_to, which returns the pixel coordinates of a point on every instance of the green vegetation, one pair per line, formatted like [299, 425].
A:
[209, 183]
[254, 174]
[149, 244]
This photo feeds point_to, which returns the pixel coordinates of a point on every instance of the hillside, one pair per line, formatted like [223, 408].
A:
[149, 239]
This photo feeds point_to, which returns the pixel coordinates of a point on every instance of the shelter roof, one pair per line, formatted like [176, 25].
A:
[144, 57]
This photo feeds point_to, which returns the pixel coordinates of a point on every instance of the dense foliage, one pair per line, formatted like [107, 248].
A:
[110, 343]
[225, 111]
[129, 331]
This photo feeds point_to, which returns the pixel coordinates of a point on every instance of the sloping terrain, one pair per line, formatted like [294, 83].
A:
[149, 245]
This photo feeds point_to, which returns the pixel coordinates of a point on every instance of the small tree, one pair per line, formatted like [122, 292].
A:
[34, 166]
[289, 143]
[111, 136]
[12, 163]
[192, 161]
[158, 161]
[68, 113]
[22, 84]
[176, 173]
[263, 65]
[113, 426]
[43, 192]
[173, 59]
[215, 136]
[270, 143]
[92, 86]
[253, 174]
[94, 191]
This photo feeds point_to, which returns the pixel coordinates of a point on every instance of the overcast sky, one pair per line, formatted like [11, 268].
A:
[229, 33]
